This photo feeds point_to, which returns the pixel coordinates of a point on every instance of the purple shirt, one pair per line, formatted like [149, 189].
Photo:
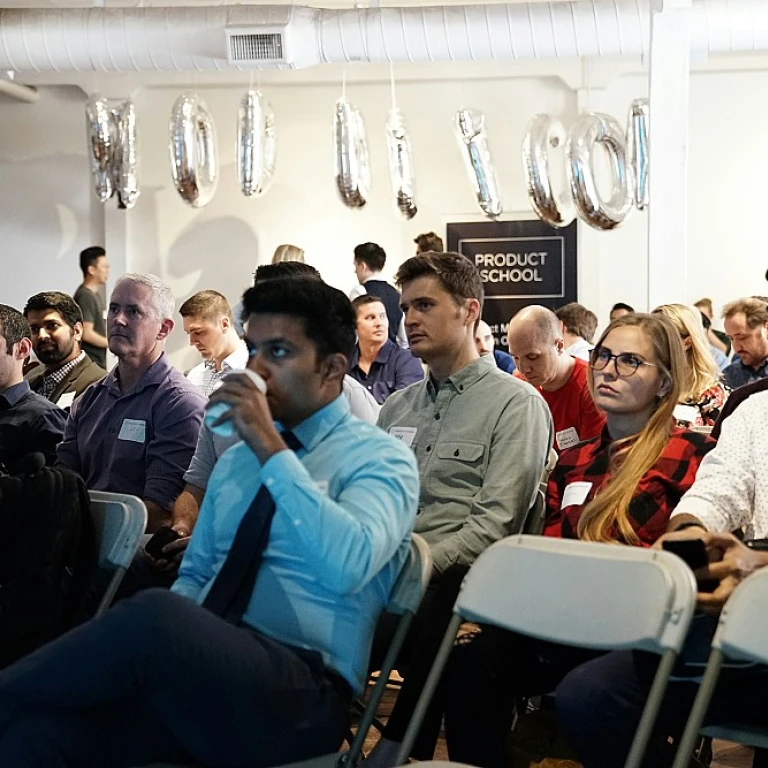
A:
[140, 442]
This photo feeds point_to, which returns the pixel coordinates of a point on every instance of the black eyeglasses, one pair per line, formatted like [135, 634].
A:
[626, 363]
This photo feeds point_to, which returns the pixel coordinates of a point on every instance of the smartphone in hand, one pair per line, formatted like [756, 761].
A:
[694, 553]
[164, 535]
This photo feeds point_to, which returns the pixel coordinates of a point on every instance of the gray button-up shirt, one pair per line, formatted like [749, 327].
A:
[481, 441]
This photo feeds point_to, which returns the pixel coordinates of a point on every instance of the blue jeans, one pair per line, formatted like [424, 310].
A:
[158, 678]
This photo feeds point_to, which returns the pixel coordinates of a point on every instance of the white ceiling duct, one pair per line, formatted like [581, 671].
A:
[241, 37]
[19, 92]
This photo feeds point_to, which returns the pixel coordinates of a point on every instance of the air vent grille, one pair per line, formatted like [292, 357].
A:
[256, 47]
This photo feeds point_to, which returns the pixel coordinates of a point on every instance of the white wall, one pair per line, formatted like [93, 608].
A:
[48, 213]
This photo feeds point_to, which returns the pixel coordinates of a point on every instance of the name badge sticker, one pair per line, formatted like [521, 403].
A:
[134, 430]
[566, 438]
[575, 493]
[66, 400]
[404, 434]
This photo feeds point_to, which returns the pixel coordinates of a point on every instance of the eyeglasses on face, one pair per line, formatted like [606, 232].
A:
[626, 363]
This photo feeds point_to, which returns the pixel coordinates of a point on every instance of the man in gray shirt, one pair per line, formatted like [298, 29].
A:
[88, 296]
[481, 439]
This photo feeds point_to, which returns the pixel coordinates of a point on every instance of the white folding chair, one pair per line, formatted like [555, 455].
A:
[742, 635]
[588, 595]
[404, 600]
[119, 520]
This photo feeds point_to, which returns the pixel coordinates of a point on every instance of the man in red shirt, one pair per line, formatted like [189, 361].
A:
[537, 346]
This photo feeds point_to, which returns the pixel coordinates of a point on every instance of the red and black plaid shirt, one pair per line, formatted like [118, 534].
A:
[657, 493]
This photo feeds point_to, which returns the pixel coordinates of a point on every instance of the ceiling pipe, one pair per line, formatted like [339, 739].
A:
[196, 39]
[24, 93]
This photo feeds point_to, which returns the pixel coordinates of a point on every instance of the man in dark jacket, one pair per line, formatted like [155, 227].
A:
[56, 323]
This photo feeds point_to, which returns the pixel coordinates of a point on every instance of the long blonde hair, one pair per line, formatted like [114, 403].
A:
[606, 517]
[287, 253]
[702, 371]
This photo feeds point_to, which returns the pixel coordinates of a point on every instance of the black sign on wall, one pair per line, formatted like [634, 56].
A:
[520, 263]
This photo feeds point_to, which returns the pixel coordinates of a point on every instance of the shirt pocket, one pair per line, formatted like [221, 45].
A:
[459, 467]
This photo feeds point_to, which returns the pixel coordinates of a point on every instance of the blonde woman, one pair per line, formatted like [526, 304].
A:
[702, 395]
[287, 253]
[620, 487]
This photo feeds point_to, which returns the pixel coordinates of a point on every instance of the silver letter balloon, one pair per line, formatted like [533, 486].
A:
[125, 158]
[637, 149]
[100, 144]
[588, 131]
[192, 147]
[256, 144]
[352, 165]
[543, 132]
[401, 164]
[473, 142]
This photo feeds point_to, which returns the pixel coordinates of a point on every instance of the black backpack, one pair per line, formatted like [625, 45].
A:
[47, 555]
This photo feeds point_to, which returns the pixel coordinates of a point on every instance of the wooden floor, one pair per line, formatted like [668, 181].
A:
[536, 738]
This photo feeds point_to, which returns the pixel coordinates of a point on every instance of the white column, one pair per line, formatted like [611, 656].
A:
[668, 182]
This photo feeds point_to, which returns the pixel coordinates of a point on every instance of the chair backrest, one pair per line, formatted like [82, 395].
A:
[413, 578]
[120, 521]
[534, 521]
[581, 593]
[742, 633]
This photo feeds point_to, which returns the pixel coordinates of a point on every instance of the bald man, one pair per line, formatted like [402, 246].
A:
[537, 346]
[486, 345]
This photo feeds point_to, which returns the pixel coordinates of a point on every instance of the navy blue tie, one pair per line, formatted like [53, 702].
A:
[232, 589]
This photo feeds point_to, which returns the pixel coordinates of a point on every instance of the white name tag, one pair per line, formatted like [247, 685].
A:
[686, 413]
[575, 493]
[405, 434]
[134, 430]
[66, 400]
[566, 438]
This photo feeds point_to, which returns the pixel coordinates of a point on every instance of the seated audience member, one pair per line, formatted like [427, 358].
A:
[311, 523]
[428, 241]
[90, 299]
[579, 326]
[536, 344]
[486, 344]
[720, 358]
[210, 447]
[56, 323]
[28, 421]
[746, 323]
[717, 339]
[369, 260]
[619, 310]
[376, 362]
[286, 253]
[703, 395]
[730, 493]
[620, 487]
[735, 399]
[481, 438]
[207, 320]
[135, 430]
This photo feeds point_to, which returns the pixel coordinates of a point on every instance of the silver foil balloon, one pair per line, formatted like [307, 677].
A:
[401, 163]
[637, 150]
[192, 147]
[100, 128]
[545, 132]
[352, 164]
[125, 155]
[473, 142]
[256, 144]
[586, 133]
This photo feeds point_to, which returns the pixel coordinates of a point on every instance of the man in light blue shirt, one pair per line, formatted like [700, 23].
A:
[163, 673]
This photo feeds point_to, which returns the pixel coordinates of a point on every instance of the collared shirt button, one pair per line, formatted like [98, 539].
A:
[429, 448]
[437, 417]
[456, 452]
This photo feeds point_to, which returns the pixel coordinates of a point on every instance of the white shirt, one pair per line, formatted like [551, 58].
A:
[361, 402]
[358, 290]
[207, 379]
[731, 487]
[580, 349]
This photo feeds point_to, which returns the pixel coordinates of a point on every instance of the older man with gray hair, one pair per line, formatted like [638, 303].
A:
[135, 430]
